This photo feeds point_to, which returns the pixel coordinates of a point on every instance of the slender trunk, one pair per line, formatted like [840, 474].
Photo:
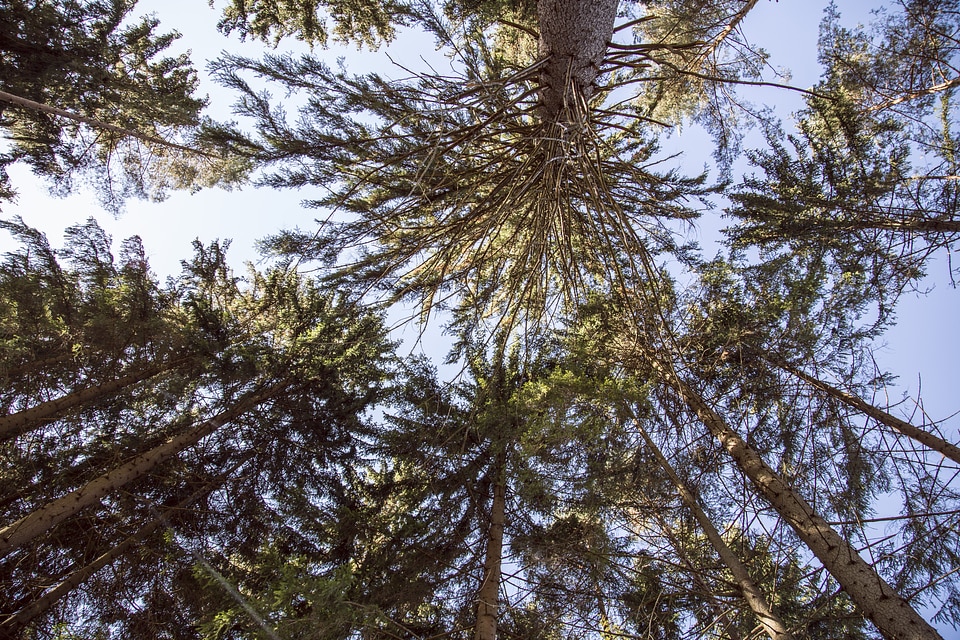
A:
[902, 427]
[15, 424]
[715, 43]
[865, 220]
[723, 621]
[29, 527]
[772, 624]
[41, 363]
[878, 601]
[574, 35]
[489, 593]
[607, 631]
[927, 225]
[52, 596]
[937, 88]
[871, 220]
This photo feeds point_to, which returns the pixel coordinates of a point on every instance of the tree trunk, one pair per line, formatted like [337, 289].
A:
[36, 365]
[772, 624]
[29, 527]
[489, 593]
[883, 606]
[21, 422]
[715, 43]
[902, 427]
[722, 620]
[17, 621]
[574, 35]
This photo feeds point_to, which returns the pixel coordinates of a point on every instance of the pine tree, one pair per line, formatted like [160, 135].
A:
[288, 368]
[86, 93]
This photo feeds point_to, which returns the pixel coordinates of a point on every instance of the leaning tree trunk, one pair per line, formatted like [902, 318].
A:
[772, 624]
[93, 122]
[489, 593]
[902, 427]
[15, 623]
[53, 513]
[574, 35]
[21, 422]
[718, 612]
[878, 601]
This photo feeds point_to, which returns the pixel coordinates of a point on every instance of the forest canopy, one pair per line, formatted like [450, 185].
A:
[635, 434]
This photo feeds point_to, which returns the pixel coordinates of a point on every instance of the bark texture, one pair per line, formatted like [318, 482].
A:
[489, 593]
[877, 600]
[574, 35]
[53, 513]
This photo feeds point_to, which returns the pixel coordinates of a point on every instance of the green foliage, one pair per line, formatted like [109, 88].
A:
[356, 500]
[869, 179]
[531, 220]
[843, 190]
[367, 23]
[89, 58]
[225, 338]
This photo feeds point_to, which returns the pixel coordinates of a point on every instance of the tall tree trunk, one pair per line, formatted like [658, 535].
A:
[29, 527]
[489, 593]
[878, 601]
[902, 427]
[21, 422]
[772, 624]
[17, 621]
[720, 616]
[574, 35]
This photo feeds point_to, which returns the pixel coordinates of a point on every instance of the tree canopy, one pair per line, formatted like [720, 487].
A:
[632, 435]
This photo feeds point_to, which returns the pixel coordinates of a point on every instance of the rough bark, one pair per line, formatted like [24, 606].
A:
[902, 427]
[574, 35]
[21, 422]
[29, 527]
[772, 624]
[877, 600]
[489, 593]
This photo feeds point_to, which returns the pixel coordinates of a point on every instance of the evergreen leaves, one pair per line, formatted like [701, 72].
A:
[642, 441]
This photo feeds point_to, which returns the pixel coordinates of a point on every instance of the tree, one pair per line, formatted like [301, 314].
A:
[515, 185]
[637, 444]
[769, 620]
[870, 176]
[132, 116]
[280, 334]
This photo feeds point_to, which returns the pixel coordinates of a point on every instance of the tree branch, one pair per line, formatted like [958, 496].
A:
[943, 86]
[93, 122]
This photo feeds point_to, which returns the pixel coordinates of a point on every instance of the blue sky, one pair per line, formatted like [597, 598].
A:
[923, 346]
[922, 349]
